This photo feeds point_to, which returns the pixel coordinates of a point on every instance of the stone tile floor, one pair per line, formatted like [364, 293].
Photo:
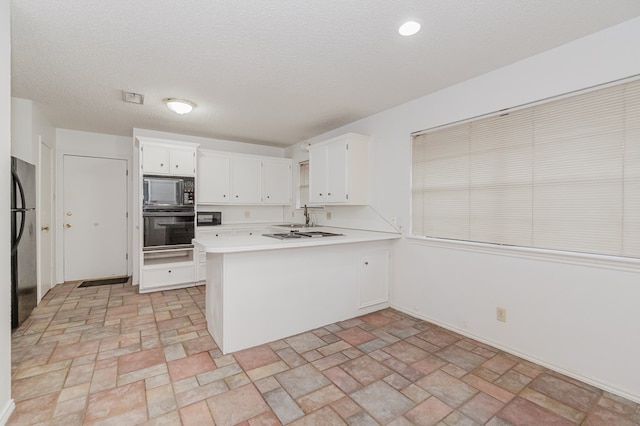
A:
[109, 356]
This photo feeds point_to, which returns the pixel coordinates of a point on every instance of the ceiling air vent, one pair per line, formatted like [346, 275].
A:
[133, 98]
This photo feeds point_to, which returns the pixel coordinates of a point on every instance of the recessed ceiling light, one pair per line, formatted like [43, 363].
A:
[133, 98]
[179, 106]
[409, 28]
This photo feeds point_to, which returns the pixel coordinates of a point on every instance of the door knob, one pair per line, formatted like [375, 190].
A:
[68, 225]
[44, 228]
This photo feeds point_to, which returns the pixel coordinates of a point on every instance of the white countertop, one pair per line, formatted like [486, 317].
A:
[244, 243]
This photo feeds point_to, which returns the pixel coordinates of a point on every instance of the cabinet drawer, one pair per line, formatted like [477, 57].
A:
[159, 277]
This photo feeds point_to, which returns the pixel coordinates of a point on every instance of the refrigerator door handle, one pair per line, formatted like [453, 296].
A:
[16, 179]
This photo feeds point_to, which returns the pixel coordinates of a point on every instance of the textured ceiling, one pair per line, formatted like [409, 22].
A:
[273, 72]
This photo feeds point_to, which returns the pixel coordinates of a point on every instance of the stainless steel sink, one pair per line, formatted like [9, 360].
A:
[297, 235]
[318, 234]
[293, 225]
[284, 235]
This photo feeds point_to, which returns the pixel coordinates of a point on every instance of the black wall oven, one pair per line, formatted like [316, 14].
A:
[168, 229]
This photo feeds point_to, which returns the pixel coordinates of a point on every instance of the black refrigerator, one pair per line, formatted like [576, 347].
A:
[24, 295]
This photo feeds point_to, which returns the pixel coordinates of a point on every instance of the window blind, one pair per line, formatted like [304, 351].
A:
[562, 175]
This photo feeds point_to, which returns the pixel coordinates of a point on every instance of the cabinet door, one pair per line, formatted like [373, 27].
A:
[318, 174]
[246, 185]
[374, 278]
[337, 172]
[155, 159]
[213, 179]
[183, 161]
[276, 181]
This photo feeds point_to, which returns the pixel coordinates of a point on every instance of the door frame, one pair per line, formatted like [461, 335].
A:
[52, 218]
[59, 208]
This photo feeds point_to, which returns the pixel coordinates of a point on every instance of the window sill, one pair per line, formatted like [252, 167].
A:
[582, 259]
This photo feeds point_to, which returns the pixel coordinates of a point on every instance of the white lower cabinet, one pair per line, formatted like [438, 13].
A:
[168, 276]
[316, 285]
[167, 269]
[373, 278]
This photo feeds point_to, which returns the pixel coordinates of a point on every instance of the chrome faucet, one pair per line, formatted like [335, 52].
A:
[306, 216]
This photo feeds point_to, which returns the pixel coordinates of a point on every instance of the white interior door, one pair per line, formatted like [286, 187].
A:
[45, 210]
[94, 217]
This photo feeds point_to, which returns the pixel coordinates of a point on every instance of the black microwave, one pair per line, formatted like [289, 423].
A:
[167, 192]
[209, 219]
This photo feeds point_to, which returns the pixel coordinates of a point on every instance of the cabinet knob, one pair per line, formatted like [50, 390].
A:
[320, 194]
[44, 228]
[236, 196]
[224, 195]
[68, 225]
[161, 164]
[328, 193]
[176, 166]
[268, 196]
[366, 263]
[169, 271]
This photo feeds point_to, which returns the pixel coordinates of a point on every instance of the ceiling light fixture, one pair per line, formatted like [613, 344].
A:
[179, 106]
[409, 28]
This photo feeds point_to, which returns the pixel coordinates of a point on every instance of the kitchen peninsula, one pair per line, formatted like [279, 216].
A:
[261, 289]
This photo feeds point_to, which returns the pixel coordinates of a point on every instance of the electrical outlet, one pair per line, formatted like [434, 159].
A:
[501, 314]
[247, 214]
[328, 215]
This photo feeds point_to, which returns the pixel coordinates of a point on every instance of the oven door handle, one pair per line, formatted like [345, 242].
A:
[168, 214]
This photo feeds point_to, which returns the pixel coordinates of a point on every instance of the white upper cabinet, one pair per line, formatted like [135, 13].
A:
[214, 178]
[226, 178]
[155, 158]
[246, 180]
[339, 171]
[167, 158]
[318, 169]
[276, 181]
[183, 161]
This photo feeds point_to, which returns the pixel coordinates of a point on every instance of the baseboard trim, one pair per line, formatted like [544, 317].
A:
[6, 412]
[572, 374]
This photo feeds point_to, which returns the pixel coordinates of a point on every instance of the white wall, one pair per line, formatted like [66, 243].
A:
[28, 127]
[6, 403]
[580, 319]
[88, 144]
[21, 129]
